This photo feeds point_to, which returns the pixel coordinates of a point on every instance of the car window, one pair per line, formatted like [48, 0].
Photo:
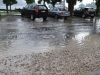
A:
[62, 9]
[31, 6]
[78, 9]
[90, 9]
[42, 7]
[26, 6]
[55, 9]
[51, 9]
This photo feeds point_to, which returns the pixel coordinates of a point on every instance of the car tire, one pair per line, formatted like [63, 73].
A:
[22, 15]
[44, 18]
[56, 16]
[92, 16]
[32, 17]
[65, 18]
[83, 15]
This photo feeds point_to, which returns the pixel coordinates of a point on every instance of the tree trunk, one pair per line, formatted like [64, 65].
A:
[10, 7]
[44, 2]
[7, 8]
[70, 7]
[97, 10]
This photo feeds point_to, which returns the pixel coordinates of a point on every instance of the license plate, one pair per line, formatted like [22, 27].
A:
[65, 13]
[42, 11]
[92, 14]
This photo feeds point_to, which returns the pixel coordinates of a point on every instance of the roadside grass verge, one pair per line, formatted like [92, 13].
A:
[98, 15]
[3, 13]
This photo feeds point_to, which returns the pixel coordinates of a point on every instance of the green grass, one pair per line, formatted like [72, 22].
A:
[10, 13]
[3, 14]
[98, 15]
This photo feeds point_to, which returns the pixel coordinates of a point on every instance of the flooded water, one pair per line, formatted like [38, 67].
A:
[21, 35]
[39, 47]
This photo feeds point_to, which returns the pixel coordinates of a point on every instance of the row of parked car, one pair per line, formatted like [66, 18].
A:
[38, 10]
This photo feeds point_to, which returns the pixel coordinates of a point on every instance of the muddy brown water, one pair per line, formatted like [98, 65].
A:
[22, 36]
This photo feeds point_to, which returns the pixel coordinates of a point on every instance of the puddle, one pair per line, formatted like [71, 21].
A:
[40, 47]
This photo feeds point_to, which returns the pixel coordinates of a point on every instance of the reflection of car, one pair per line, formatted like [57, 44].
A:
[58, 13]
[35, 11]
[84, 12]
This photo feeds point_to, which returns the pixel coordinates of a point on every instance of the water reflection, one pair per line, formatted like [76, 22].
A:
[23, 35]
[80, 37]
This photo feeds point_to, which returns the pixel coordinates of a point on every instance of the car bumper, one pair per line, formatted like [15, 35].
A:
[64, 15]
[42, 15]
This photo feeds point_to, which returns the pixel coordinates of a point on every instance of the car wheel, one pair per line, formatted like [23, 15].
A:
[44, 18]
[92, 16]
[65, 18]
[83, 15]
[32, 17]
[22, 15]
[56, 16]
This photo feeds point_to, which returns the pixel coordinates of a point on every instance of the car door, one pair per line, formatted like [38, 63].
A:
[25, 10]
[54, 12]
[50, 12]
[30, 10]
[77, 11]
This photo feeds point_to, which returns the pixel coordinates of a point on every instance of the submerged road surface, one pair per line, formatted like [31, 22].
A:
[53, 47]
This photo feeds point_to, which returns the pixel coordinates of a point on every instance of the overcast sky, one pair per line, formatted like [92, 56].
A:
[22, 2]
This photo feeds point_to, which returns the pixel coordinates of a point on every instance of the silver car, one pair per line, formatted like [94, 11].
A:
[58, 13]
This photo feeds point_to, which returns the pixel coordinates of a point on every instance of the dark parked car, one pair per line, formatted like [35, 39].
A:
[58, 13]
[35, 11]
[85, 12]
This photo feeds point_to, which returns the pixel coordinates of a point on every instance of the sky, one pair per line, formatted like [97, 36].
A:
[21, 3]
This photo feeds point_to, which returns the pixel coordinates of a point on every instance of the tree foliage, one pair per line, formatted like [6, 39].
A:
[53, 2]
[48, 1]
[29, 1]
[9, 2]
[98, 5]
[71, 4]
[12, 2]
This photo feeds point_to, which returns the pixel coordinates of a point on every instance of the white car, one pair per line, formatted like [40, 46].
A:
[57, 12]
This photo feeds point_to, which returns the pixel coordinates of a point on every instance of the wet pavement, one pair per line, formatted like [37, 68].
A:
[52, 47]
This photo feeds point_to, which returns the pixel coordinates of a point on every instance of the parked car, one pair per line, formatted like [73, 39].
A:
[58, 12]
[35, 11]
[85, 12]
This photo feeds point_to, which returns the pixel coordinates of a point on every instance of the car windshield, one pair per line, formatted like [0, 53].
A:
[42, 7]
[90, 9]
[62, 9]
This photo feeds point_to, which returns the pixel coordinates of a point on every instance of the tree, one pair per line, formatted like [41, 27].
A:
[12, 2]
[71, 4]
[29, 1]
[48, 1]
[53, 2]
[98, 5]
[81, 5]
[7, 3]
